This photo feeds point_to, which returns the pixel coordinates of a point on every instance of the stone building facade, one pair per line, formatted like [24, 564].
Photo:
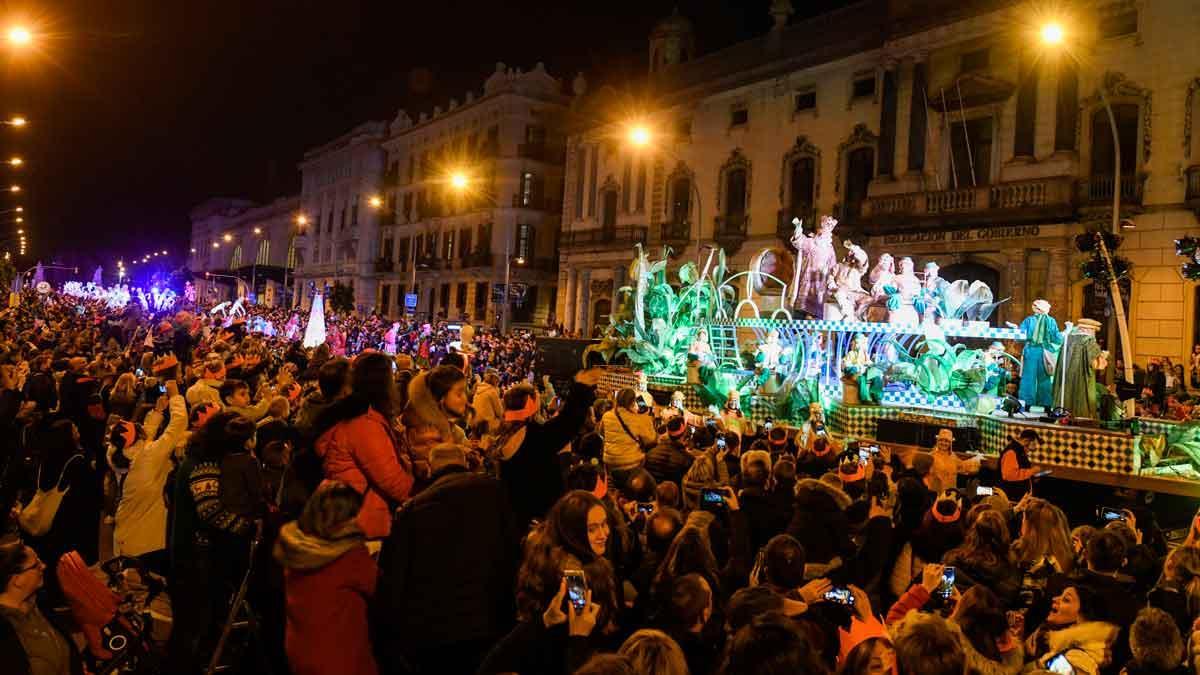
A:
[238, 248]
[339, 242]
[472, 191]
[940, 130]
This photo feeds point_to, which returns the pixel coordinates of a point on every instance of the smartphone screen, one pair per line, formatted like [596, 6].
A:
[721, 443]
[711, 500]
[576, 589]
[140, 373]
[946, 589]
[645, 507]
[1108, 514]
[1060, 665]
[863, 455]
[840, 595]
[984, 491]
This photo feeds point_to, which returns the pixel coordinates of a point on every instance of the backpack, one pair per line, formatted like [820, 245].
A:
[38, 515]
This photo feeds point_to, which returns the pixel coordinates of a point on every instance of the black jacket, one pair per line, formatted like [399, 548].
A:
[532, 474]
[668, 460]
[819, 522]
[766, 516]
[13, 657]
[448, 567]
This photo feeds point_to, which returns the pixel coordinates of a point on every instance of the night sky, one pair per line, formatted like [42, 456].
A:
[141, 109]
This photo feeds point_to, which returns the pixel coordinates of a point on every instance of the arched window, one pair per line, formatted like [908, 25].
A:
[609, 217]
[264, 253]
[235, 260]
[291, 254]
[735, 193]
[681, 199]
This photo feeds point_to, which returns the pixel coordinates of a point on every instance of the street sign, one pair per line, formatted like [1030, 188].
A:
[410, 302]
[516, 291]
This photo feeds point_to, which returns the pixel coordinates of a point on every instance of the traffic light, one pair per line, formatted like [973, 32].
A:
[1098, 268]
[1189, 248]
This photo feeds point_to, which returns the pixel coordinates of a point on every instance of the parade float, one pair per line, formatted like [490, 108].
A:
[886, 351]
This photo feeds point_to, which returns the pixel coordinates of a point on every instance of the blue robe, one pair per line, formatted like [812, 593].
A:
[1041, 335]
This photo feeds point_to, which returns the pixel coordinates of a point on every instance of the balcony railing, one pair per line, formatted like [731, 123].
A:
[731, 231]
[478, 259]
[1193, 186]
[532, 150]
[605, 237]
[536, 264]
[784, 228]
[1098, 189]
[384, 266]
[676, 232]
[1042, 197]
[542, 204]
[429, 263]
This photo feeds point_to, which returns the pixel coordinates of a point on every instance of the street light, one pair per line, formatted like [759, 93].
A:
[1053, 36]
[16, 121]
[641, 137]
[301, 220]
[19, 36]
[258, 230]
[14, 188]
[216, 245]
[376, 202]
[228, 237]
[459, 181]
[16, 161]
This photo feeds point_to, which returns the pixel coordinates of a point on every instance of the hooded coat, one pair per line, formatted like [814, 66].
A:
[1087, 645]
[142, 512]
[328, 583]
[426, 424]
[488, 407]
[362, 451]
[819, 522]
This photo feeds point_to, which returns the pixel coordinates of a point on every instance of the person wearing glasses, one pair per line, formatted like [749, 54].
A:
[29, 643]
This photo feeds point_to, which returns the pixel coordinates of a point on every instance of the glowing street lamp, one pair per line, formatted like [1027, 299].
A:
[257, 230]
[375, 202]
[1052, 33]
[14, 188]
[459, 181]
[20, 209]
[16, 161]
[16, 121]
[20, 219]
[639, 136]
[301, 220]
[228, 238]
[19, 36]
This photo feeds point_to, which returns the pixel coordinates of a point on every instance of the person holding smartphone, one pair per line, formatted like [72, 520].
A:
[1075, 633]
[628, 434]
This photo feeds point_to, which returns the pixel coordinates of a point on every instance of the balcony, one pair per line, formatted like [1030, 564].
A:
[536, 264]
[385, 266]
[605, 238]
[784, 229]
[731, 231]
[532, 151]
[477, 259]
[1192, 196]
[429, 263]
[677, 233]
[1031, 200]
[1097, 189]
[536, 204]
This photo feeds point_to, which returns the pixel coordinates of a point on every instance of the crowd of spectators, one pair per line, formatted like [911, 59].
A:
[391, 513]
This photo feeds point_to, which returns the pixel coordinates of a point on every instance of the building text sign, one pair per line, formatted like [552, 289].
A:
[974, 234]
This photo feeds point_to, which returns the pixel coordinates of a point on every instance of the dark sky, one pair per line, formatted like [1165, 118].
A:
[141, 109]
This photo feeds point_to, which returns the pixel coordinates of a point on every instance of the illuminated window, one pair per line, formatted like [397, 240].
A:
[235, 260]
[264, 253]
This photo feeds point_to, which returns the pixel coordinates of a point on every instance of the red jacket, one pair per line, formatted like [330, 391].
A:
[362, 453]
[327, 616]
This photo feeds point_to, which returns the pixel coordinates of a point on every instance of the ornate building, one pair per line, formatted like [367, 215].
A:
[340, 209]
[472, 193]
[941, 129]
[238, 246]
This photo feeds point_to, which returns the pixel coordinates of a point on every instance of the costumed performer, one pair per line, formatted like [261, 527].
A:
[1075, 372]
[767, 361]
[1042, 343]
[858, 364]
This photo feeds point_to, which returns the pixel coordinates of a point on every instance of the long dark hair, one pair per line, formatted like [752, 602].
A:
[514, 399]
[223, 433]
[56, 443]
[552, 547]
[371, 386]
[983, 621]
[986, 544]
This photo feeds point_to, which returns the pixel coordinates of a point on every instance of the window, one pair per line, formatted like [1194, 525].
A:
[580, 171]
[803, 179]
[735, 193]
[264, 253]
[860, 169]
[641, 186]
[385, 299]
[354, 211]
[681, 200]
[460, 300]
[484, 243]
[739, 116]
[448, 244]
[464, 243]
[626, 184]
[235, 260]
[412, 167]
[526, 189]
[402, 250]
[1120, 23]
[492, 146]
[806, 100]
[972, 148]
[426, 167]
[481, 299]
[329, 223]
[525, 241]
[317, 255]
[864, 87]
[1126, 115]
[400, 298]
[444, 297]
[523, 309]
[535, 135]
[342, 219]
[387, 249]
[976, 60]
[291, 254]
[408, 203]
[591, 211]
[608, 219]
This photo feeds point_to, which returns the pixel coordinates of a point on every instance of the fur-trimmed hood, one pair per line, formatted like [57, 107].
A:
[815, 495]
[1088, 645]
[423, 409]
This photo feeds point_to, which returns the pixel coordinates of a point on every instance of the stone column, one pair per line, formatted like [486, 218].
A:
[582, 311]
[566, 313]
[887, 121]
[577, 300]
[918, 117]
[1018, 307]
[1058, 284]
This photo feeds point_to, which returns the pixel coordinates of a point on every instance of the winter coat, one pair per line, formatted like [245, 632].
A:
[362, 452]
[142, 513]
[906, 614]
[529, 464]
[488, 407]
[328, 583]
[668, 460]
[625, 450]
[205, 390]
[426, 425]
[819, 522]
[16, 657]
[1087, 645]
[448, 567]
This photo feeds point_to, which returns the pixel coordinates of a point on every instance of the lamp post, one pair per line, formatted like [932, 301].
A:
[461, 181]
[1053, 35]
[640, 137]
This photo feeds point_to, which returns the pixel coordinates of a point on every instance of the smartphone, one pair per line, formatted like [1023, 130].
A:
[1108, 514]
[1060, 665]
[873, 449]
[840, 595]
[641, 406]
[678, 405]
[139, 372]
[984, 491]
[768, 424]
[721, 443]
[645, 507]
[1043, 473]
[711, 500]
[946, 589]
[576, 589]
[710, 423]
[863, 455]
[162, 388]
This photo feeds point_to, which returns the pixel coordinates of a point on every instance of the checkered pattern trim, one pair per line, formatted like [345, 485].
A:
[915, 398]
[972, 329]
[1156, 427]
